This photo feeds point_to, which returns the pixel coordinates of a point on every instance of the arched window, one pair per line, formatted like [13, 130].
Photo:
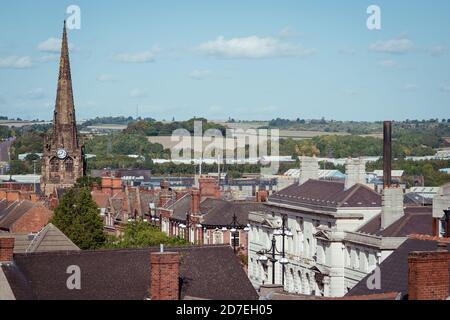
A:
[68, 164]
[298, 289]
[54, 165]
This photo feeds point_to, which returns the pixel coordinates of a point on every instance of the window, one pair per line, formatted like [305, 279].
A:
[234, 239]
[347, 257]
[68, 164]
[364, 262]
[298, 288]
[54, 165]
[218, 237]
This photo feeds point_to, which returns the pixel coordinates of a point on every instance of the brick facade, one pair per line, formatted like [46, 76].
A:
[428, 277]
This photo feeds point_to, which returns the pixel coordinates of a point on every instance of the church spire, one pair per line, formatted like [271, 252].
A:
[64, 66]
[65, 133]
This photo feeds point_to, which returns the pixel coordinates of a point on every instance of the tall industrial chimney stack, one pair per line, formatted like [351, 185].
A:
[392, 198]
[387, 154]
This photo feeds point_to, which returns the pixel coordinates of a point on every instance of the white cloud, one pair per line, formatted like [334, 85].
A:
[35, 94]
[16, 62]
[200, 74]
[445, 88]
[52, 45]
[48, 57]
[388, 63]
[288, 32]
[399, 45]
[106, 78]
[136, 57]
[438, 51]
[137, 93]
[410, 87]
[251, 48]
[348, 52]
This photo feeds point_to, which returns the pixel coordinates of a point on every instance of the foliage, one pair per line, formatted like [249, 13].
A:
[429, 169]
[140, 234]
[334, 146]
[157, 128]
[27, 142]
[78, 217]
[88, 182]
[125, 144]
[5, 132]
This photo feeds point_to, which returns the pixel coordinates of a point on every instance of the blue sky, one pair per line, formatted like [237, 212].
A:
[252, 59]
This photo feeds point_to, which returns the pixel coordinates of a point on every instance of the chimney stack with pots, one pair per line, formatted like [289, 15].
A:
[428, 277]
[392, 197]
[165, 273]
[6, 249]
[309, 169]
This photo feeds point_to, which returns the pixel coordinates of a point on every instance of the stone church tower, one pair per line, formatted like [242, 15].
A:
[63, 161]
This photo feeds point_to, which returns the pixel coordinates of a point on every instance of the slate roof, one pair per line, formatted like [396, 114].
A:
[394, 269]
[327, 195]
[216, 212]
[50, 238]
[206, 272]
[416, 220]
[220, 212]
[13, 212]
[413, 198]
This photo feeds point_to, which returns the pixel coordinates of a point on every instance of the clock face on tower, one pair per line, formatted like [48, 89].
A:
[61, 153]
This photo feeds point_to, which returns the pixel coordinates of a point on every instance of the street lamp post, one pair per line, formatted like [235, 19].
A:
[187, 234]
[284, 232]
[234, 227]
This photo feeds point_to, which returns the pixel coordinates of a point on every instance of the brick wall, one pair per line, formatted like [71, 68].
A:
[33, 220]
[165, 272]
[6, 249]
[428, 277]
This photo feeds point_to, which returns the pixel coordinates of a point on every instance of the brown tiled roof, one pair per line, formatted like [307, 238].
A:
[327, 195]
[101, 199]
[206, 272]
[394, 269]
[415, 220]
[14, 212]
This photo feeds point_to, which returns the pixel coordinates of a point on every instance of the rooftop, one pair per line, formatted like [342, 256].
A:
[206, 272]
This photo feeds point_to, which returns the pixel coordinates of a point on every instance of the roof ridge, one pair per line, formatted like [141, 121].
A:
[425, 237]
[351, 193]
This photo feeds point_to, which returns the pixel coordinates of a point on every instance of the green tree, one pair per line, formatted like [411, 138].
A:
[88, 181]
[78, 217]
[140, 234]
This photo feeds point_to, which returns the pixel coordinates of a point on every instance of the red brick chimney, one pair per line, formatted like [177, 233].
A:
[6, 249]
[165, 273]
[428, 277]
[209, 188]
[195, 202]
[261, 196]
